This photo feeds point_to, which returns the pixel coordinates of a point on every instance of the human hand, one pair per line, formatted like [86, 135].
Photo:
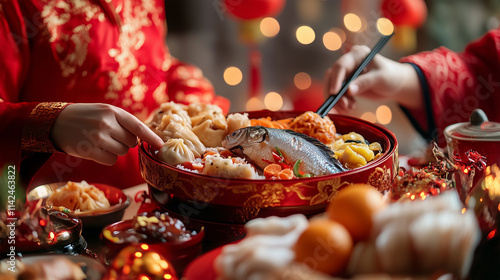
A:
[383, 79]
[99, 132]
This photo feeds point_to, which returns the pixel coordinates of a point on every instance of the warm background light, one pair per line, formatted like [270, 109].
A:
[384, 114]
[254, 104]
[269, 27]
[385, 26]
[305, 35]
[273, 101]
[352, 22]
[369, 116]
[332, 41]
[340, 32]
[302, 80]
[233, 76]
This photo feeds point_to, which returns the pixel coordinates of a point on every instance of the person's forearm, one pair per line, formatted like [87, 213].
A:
[410, 94]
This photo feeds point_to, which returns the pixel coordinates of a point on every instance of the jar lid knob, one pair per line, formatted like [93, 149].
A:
[477, 117]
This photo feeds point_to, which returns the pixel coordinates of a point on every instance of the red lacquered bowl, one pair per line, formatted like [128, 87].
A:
[180, 253]
[96, 219]
[236, 201]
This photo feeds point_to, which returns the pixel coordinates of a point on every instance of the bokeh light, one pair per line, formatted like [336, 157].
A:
[385, 26]
[302, 80]
[340, 32]
[352, 22]
[273, 101]
[254, 104]
[384, 114]
[364, 25]
[369, 116]
[269, 27]
[332, 41]
[305, 35]
[233, 76]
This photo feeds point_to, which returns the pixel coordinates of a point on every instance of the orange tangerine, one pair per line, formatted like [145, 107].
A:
[285, 174]
[354, 208]
[325, 246]
[272, 170]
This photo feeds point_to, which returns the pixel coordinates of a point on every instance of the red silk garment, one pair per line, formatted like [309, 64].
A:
[458, 83]
[98, 52]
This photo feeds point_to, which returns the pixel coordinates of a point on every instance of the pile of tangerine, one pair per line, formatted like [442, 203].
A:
[326, 245]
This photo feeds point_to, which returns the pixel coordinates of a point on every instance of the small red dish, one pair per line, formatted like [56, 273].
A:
[179, 253]
[203, 266]
[118, 201]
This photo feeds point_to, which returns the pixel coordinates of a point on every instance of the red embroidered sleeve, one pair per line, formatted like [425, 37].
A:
[458, 83]
[23, 126]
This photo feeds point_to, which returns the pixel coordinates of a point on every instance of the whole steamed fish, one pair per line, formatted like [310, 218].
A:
[257, 143]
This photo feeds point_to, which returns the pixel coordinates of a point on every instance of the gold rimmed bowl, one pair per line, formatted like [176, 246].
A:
[235, 201]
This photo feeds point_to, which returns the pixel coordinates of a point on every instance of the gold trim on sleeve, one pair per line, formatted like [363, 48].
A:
[36, 131]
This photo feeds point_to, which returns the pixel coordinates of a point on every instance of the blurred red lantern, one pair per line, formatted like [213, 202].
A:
[407, 16]
[405, 12]
[253, 9]
[309, 99]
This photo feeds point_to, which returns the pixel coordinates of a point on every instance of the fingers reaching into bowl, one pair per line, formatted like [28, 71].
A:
[99, 132]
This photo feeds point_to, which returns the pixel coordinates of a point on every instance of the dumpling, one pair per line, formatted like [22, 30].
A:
[166, 109]
[177, 130]
[167, 119]
[236, 121]
[79, 197]
[194, 109]
[209, 134]
[160, 128]
[217, 117]
[175, 151]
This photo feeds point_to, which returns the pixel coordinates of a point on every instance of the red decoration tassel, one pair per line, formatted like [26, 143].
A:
[255, 72]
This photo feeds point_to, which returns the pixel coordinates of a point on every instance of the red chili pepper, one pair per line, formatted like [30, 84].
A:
[266, 161]
[284, 165]
[187, 165]
[278, 158]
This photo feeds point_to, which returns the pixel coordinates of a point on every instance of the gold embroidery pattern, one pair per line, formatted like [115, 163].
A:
[134, 17]
[36, 132]
[71, 46]
[159, 95]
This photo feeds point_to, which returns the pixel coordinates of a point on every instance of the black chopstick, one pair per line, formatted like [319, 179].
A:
[332, 99]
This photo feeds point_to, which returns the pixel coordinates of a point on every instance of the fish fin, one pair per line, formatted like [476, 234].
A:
[321, 146]
[238, 151]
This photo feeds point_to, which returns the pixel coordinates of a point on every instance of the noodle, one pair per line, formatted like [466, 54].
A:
[313, 125]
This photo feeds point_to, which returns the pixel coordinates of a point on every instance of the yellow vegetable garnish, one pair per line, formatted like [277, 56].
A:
[143, 221]
[376, 147]
[363, 150]
[351, 159]
[107, 234]
[353, 136]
